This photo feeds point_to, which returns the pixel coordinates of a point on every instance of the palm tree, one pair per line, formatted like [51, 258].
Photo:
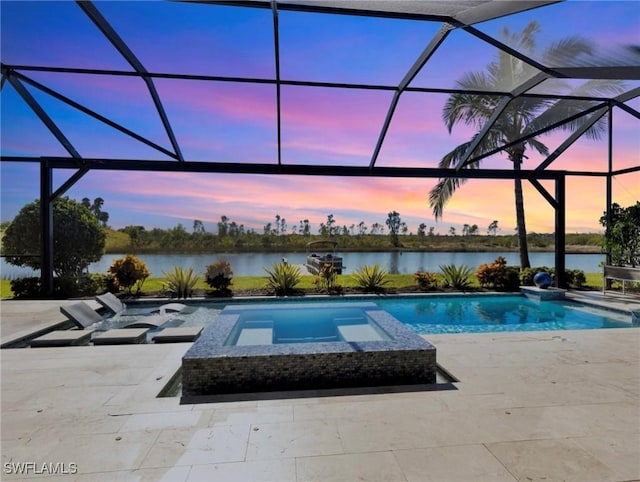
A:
[523, 115]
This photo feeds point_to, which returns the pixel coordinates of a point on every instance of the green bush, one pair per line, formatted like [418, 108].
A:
[219, 276]
[85, 285]
[425, 280]
[575, 278]
[283, 278]
[129, 271]
[371, 278]
[28, 287]
[458, 277]
[498, 275]
[180, 282]
[527, 274]
[63, 287]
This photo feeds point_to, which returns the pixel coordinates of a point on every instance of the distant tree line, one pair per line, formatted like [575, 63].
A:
[232, 235]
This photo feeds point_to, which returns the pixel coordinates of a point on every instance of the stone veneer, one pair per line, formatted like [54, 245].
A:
[211, 368]
[543, 294]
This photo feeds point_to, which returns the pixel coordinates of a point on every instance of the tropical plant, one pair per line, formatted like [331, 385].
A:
[425, 280]
[180, 282]
[127, 272]
[371, 278]
[219, 276]
[78, 238]
[327, 279]
[283, 278]
[622, 234]
[519, 119]
[498, 275]
[457, 277]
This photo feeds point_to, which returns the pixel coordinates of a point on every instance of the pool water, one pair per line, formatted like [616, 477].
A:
[330, 322]
[304, 346]
[489, 314]
[440, 314]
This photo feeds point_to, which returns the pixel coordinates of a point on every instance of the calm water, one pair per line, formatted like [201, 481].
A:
[450, 314]
[490, 314]
[253, 264]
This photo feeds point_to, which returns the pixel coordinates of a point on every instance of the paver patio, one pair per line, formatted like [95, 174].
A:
[560, 405]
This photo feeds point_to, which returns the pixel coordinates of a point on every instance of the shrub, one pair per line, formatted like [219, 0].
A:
[327, 279]
[498, 275]
[85, 285]
[180, 282]
[219, 276]
[283, 278]
[64, 287]
[129, 271]
[28, 287]
[527, 274]
[371, 278]
[575, 278]
[425, 280]
[458, 277]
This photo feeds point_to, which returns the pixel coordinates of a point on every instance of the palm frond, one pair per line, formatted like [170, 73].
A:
[472, 109]
[442, 192]
[538, 146]
[567, 50]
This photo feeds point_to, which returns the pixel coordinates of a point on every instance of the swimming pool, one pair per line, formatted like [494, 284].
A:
[505, 313]
[298, 323]
[456, 313]
[304, 346]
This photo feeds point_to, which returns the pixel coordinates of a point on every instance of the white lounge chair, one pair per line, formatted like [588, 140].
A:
[112, 303]
[84, 316]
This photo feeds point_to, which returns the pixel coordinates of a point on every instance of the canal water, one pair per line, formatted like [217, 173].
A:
[253, 264]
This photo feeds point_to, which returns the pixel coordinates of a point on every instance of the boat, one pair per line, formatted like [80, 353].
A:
[315, 261]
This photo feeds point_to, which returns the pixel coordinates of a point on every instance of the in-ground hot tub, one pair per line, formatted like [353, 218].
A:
[301, 346]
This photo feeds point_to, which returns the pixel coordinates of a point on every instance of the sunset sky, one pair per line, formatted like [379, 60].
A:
[236, 122]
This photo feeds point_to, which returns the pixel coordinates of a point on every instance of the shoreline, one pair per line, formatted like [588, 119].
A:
[577, 249]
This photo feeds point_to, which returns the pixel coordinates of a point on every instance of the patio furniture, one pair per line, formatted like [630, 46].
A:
[81, 314]
[84, 316]
[112, 303]
[620, 273]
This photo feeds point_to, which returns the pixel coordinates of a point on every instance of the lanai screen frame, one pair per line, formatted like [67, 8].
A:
[17, 77]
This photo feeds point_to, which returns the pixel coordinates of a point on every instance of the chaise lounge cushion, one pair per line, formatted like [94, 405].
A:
[111, 302]
[81, 314]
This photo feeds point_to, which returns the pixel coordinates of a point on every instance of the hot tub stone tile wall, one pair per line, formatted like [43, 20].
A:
[211, 368]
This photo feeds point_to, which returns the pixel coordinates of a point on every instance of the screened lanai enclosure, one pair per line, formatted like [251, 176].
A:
[325, 88]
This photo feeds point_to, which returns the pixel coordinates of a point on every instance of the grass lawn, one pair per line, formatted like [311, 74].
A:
[249, 284]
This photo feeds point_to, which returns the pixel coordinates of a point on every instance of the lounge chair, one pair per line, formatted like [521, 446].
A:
[112, 303]
[84, 316]
[81, 314]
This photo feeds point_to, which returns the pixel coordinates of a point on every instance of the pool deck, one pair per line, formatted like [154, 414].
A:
[561, 405]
